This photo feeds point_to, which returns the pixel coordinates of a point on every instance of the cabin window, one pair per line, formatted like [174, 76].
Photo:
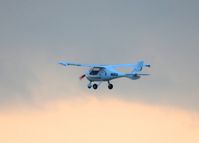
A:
[95, 71]
[114, 74]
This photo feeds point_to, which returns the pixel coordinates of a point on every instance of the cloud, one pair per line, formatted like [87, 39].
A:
[99, 120]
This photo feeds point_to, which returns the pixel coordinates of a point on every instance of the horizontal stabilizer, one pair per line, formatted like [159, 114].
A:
[147, 65]
[143, 74]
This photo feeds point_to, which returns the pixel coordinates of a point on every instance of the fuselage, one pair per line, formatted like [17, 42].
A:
[103, 74]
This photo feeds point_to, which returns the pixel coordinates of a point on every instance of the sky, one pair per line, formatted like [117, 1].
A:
[35, 35]
[91, 120]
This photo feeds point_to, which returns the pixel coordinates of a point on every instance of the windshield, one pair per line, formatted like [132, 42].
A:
[95, 70]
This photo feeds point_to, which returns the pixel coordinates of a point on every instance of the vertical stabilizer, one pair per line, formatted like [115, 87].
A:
[138, 67]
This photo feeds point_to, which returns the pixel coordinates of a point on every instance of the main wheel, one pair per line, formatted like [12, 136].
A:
[94, 86]
[110, 86]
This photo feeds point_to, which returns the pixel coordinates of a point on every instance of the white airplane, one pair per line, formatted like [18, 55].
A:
[105, 73]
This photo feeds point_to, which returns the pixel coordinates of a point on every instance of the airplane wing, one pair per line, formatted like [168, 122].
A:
[139, 63]
[122, 65]
[64, 63]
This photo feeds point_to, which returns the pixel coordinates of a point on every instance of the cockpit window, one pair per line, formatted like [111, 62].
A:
[95, 70]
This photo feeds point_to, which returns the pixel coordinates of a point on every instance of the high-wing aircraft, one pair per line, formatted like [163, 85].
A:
[105, 73]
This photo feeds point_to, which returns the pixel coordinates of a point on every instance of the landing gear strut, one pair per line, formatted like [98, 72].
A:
[110, 86]
[95, 86]
[90, 85]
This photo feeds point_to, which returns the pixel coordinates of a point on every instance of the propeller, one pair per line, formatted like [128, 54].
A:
[82, 76]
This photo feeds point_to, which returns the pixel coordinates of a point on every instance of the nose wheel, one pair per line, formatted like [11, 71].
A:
[95, 86]
[110, 86]
[90, 85]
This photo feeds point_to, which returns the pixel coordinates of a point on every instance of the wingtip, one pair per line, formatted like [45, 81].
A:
[62, 63]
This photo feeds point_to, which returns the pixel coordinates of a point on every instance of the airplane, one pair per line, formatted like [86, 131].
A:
[105, 73]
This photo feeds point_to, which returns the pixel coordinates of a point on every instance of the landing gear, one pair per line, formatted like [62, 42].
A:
[95, 86]
[110, 86]
[90, 85]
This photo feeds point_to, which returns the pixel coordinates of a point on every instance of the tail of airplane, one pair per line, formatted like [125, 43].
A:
[138, 68]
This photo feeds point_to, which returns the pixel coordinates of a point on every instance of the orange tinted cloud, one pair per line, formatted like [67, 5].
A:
[95, 121]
